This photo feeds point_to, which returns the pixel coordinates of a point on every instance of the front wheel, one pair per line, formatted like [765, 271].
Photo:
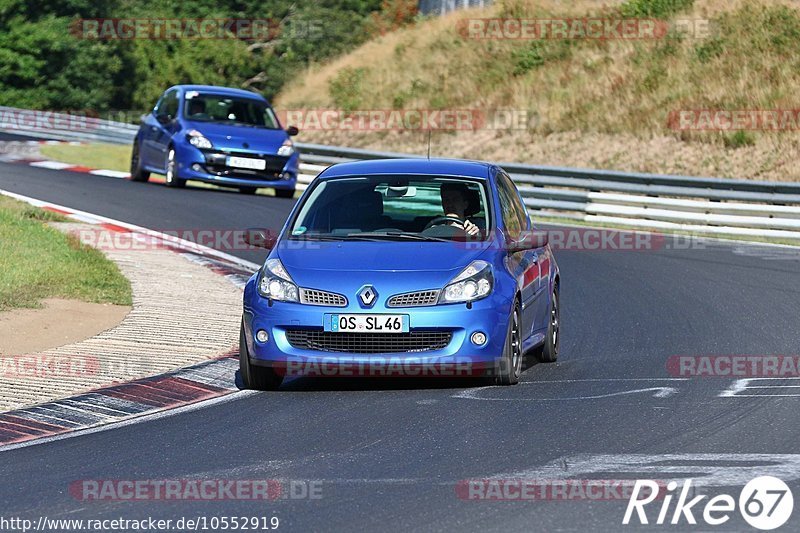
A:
[171, 178]
[549, 353]
[137, 173]
[284, 193]
[255, 377]
[510, 365]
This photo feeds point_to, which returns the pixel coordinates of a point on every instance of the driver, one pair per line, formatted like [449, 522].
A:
[197, 108]
[455, 201]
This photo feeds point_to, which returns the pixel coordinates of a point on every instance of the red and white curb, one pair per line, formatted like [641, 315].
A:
[118, 402]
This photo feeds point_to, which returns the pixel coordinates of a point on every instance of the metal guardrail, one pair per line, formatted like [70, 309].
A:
[694, 204]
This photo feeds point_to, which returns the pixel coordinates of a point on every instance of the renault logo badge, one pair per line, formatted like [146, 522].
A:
[368, 295]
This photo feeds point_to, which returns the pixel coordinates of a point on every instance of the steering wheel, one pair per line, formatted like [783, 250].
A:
[445, 221]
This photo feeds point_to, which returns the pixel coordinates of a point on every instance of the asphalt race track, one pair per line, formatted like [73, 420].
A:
[389, 455]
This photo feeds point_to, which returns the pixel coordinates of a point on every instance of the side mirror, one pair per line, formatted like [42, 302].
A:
[258, 238]
[530, 240]
[163, 119]
[292, 131]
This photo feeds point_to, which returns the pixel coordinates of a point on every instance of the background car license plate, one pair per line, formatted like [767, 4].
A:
[246, 162]
[367, 323]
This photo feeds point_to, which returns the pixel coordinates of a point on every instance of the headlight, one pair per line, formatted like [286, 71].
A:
[473, 283]
[197, 140]
[286, 149]
[275, 283]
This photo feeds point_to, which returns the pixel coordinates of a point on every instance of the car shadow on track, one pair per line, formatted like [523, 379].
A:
[358, 383]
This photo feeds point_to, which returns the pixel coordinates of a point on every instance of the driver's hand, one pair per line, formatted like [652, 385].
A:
[471, 228]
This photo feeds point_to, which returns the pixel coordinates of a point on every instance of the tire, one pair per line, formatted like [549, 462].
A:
[170, 178]
[510, 367]
[247, 190]
[255, 377]
[137, 174]
[284, 193]
[549, 352]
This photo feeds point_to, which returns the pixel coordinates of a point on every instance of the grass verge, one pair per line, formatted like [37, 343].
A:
[38, 261]
[94, 155]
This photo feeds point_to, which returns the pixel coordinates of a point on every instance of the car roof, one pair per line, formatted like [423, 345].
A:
[228, 91]
[438, 167]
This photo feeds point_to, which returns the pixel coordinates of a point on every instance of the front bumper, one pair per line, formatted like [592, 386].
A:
[208, 166]
[489, 316]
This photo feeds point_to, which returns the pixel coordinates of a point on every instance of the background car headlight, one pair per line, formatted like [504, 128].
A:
[473, 283]
[197, 140]
[275, 283]
[286, 149]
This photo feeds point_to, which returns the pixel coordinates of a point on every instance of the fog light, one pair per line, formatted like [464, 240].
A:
[262, 336]
[478, 338]
[196, 167]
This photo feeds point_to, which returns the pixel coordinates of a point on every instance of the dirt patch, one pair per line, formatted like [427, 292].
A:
[58, 322]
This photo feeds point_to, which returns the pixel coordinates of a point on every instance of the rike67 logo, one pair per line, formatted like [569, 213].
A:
[765, 503]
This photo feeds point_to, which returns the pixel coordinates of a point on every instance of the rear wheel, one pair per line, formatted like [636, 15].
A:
[137, 173]
[171, 178]
[284, 193]
[549, 353]
[255, 377]
[511, 363]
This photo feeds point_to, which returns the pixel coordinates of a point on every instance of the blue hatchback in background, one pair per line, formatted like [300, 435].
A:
[228, 137]
[405, 267]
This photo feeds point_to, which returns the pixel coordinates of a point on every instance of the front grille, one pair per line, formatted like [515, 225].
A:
[413, 299]
[368, 343]
[315, 297]
[215, 164]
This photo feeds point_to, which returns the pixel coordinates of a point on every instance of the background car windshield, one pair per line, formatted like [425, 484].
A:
[226, 109]
[389, 205]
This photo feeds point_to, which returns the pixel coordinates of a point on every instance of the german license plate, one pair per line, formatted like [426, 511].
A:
[246, 162]
[366, 323]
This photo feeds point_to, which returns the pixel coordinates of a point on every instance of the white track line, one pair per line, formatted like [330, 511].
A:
[168, 239]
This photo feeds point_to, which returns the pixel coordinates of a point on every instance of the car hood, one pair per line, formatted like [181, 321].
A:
[333, 264]
[238, 138]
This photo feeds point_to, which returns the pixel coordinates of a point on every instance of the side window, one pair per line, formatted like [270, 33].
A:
[515, 216]
[168, 105]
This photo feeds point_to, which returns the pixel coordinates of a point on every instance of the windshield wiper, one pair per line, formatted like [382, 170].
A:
[332, 238]
[401, 234]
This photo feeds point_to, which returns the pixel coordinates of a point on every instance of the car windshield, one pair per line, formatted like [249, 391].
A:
[377, 208]
[228, 110]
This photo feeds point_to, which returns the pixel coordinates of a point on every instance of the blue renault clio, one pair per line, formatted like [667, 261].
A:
[406, 267]
[218, 135]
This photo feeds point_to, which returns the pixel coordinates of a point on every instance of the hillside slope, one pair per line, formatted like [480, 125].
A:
[597, 103]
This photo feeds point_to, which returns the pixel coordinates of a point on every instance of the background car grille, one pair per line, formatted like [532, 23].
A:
[368, 343]
[315, 297]
[413, 299]
[215, 164]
